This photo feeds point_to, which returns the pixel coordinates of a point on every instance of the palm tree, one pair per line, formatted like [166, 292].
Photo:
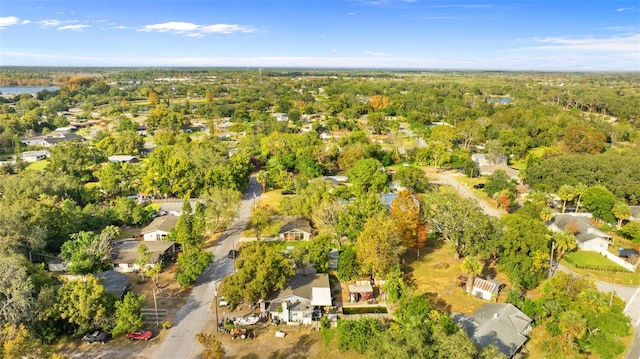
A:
[263, 178]
[546, 214]
[472, 266]
[566, 193]
[622, 211]
[580, 188]
[564, 242]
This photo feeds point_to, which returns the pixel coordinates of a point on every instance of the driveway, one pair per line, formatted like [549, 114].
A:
[193, 317]
[447, 178]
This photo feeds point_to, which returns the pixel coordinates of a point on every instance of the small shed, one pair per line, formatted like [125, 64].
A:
[57, 264]
[122, 159]
[362, 290]
[486, 288]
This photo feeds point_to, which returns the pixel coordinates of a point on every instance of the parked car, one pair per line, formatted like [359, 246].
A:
[478, 186]
[287, 192]
[627, 253]
[140, 335]
[96, 336]
[223, 302]
[233, 254]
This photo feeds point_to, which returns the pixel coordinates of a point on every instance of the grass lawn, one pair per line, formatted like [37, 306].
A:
[37, 166]
[129, 232]
[622, 278]
[591, 260]
[436, 274]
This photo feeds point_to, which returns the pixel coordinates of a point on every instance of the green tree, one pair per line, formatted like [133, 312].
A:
[221, 206]
[366, 176]
[564, 242]
[357, 334]
[260, 269]
[143, 259]
[524, 248]
[600, 201]
[379, 246]
[74, 159]
[260, 221]
[318, 252]
[621, 211]
[497, 182]
[86, 252]
[190, 265]
[412, 178]
[348, 266]
[16, 291]
[128, 317]
[566, 193]
[85, 304]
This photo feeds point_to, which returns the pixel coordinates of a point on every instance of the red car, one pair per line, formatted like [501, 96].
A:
[140, 335]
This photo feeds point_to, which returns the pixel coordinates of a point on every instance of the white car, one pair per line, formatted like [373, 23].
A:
[223, 302]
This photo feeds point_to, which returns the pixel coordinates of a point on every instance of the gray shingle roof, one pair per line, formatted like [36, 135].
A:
[502, 325]
[163, 223]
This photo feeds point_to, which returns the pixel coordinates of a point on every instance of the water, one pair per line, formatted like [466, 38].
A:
[15, 90]
[500, 100]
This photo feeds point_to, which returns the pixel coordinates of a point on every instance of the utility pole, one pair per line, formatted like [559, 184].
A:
[215, 293]
[155, 303]
[553, 247]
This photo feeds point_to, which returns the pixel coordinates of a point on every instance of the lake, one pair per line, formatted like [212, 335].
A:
[500, 100]
[14, 90]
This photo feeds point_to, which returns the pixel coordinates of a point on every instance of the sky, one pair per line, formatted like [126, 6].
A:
[515, 35]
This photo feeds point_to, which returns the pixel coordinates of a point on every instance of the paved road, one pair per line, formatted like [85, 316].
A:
[194, 316]
[448, 179]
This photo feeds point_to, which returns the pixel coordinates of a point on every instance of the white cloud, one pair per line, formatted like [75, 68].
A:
[120, 27]
[625, 9]
[195, 30]
[24, 22]
[50, 22]
[629, 43]
[77, 27]
[8, 21]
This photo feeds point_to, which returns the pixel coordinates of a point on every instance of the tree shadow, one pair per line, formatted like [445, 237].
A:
[437, 302]
[297, 351]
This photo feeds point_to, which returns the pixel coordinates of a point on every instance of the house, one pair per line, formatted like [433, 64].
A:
[295, 229]
[159, 228]
[297, 301]
[57, 264]
[498, 324]
[362, 290]
[122, 159]
[125, 255]
[635, 213]
[482, 159]
[54, 139]
[114, 282]
[34, 156]
[388, 198]
[280, 117]
[486, 288]
[587, 236]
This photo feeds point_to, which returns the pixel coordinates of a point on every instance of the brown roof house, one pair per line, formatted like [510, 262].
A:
[295, 229]
[159, 228]
[498, 324]
[297, 301]
[125, 255]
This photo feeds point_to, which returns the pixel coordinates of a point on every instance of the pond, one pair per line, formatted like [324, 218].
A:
[364, 310]
[499, 100]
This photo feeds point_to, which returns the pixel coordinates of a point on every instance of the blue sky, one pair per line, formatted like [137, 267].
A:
[556, 35]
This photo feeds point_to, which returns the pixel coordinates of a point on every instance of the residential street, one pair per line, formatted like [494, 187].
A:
[196, 313]
[448, 179]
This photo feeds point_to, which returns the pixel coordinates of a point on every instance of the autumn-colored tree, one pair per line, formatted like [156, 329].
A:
[405, 212]
[380, 102]
[505, 199]
[153, 98]
[379, 246]
[582, 139]
[208, 96]
[211, 347]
